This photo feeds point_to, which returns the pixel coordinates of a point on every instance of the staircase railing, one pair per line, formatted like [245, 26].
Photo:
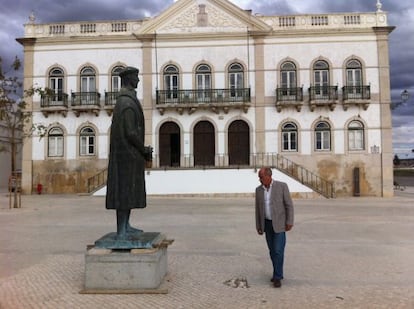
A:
[305, 177]
[97, 181]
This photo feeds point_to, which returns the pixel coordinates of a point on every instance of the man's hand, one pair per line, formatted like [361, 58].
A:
[148, 153]
[288, 227]
[260, 232]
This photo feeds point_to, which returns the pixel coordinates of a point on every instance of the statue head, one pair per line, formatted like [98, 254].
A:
[129, 77]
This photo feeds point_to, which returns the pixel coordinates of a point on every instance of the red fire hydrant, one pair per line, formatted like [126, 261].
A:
[39, 188]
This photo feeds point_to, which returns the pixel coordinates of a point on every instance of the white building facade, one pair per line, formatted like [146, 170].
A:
[220, 88]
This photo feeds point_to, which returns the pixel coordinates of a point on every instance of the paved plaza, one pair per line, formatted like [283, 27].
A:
[341, 253]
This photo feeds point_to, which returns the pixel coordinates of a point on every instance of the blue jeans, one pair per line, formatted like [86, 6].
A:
[276, 243]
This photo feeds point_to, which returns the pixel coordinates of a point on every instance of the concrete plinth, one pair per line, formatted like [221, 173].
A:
[125, 271]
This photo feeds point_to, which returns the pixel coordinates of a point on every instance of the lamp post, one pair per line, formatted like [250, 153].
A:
[405, 95]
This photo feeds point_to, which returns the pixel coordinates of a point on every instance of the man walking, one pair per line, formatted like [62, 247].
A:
[274, 216]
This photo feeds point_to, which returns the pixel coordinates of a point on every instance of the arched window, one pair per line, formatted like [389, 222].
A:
[288, 75]
[115, 79]
[236, 80]
[171, 78]
[354, 79]
[289, 137]
[356, 135]
[322, 136]
[203, 81]
[56, 78]
[87, 142]
[88, 80]
[55, 142]
[321, 78]
[353, 73]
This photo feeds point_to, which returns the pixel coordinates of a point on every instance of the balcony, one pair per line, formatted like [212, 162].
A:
[212, 99]
[110, 101]
[86, 102]
[322, 96]
[356, 95]
[54, 103]
[287, 97]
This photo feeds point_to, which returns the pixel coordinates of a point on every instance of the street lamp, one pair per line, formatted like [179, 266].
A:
[405, 95]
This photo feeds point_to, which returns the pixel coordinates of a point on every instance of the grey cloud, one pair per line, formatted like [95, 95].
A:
[92, 10]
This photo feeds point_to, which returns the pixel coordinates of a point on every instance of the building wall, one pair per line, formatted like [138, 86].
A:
[261, 53]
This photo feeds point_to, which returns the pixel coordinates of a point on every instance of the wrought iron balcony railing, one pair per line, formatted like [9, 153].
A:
[356, 95]
[323, 96]
[54, 100]
[213, 99]
[54, 103]
[86, 102]
[323, 93]
[110, 98]
[356, 92]
[86, 98]
[289, 96]
[233, 95]
[110, 101]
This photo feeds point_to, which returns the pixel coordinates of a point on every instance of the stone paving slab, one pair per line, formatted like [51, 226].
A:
[342, 253]
[197, 282]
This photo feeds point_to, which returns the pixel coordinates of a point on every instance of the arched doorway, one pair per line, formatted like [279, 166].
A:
[169, 144]
[239, 143]
[204, 144]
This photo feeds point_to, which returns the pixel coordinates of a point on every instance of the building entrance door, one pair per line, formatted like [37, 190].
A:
[204, 144]
[169, 144]
[239, 143]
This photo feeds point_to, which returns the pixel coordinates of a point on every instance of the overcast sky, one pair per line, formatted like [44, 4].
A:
[14, 14]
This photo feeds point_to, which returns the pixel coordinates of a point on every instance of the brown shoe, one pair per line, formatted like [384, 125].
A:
[273, 280]
[277, 283]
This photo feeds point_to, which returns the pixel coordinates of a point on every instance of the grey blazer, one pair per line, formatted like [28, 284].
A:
[280, 203]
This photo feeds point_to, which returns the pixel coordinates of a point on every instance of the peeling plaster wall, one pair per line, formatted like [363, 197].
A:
[339, 169]
[70, 176]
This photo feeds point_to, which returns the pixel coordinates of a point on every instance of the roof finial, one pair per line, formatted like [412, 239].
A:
[379, 6]
[32, 17]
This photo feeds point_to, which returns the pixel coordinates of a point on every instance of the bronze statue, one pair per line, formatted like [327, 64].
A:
[127, 155]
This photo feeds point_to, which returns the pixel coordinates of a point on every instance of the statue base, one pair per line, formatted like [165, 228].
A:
[126, 271]
[139, 240]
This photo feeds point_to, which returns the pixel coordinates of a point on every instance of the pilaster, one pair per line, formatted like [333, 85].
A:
[147, 75]
[259, 94]
[27, 149]
[385, 110]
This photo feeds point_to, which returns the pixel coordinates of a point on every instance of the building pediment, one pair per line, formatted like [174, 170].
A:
[203, 16]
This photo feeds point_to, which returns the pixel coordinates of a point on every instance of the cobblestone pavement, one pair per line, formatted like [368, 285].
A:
[342, 253]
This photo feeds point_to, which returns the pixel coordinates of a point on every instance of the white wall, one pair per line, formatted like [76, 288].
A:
[336, 49]
[223, 181]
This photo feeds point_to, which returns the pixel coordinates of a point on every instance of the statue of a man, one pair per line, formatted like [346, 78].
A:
[127, 155]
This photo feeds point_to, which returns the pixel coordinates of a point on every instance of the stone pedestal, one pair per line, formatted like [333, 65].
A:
[116, 271]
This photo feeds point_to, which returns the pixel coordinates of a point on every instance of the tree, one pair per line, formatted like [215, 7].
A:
[13, 114]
